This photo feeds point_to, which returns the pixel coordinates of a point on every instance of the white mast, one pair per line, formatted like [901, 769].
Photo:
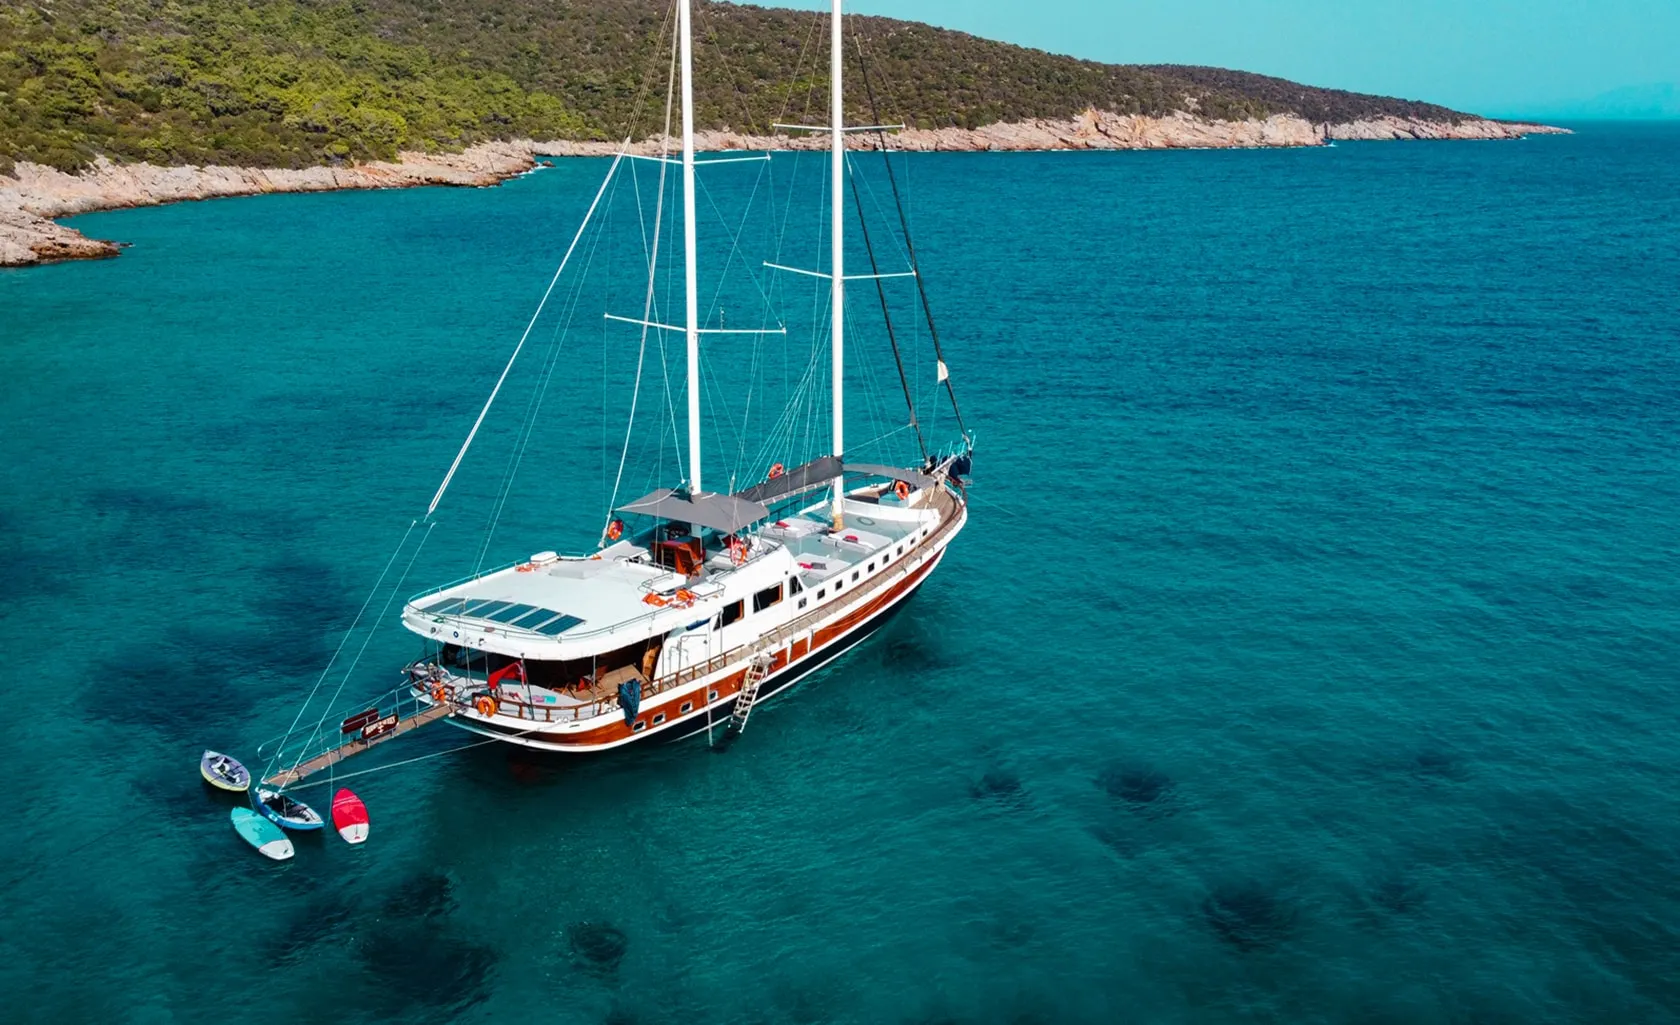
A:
[837, 251]
[691, 300]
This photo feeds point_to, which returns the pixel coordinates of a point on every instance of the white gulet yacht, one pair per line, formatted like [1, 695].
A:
[698, 603]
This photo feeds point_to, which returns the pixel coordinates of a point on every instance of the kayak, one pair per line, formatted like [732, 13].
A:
[287, 811]
[224, 772]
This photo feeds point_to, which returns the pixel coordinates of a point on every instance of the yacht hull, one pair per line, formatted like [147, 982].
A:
[793, 662]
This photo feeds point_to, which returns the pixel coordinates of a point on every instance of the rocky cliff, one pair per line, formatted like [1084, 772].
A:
[36, 195]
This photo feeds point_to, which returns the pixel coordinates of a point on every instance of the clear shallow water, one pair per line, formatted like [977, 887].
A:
[1310, 656]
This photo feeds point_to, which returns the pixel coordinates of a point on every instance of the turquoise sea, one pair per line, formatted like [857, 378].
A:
[1312, 654]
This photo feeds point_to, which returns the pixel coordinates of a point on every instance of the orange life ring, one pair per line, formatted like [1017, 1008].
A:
[776, 471]
[738, 552]
[485, 706]
[615, 529]
[902, 490]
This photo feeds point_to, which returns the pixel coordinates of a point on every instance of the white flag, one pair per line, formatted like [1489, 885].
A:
[944, 372]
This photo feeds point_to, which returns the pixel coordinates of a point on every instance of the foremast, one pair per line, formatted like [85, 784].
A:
[837, 251]
[691, 299]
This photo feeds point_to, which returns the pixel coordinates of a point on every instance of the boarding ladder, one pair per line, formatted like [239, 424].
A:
[756, 672]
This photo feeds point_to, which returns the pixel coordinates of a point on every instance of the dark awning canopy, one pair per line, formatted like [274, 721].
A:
[725, 513]
[908, 476]
[818, 471]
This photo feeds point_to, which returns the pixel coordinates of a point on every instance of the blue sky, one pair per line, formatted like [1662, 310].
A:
[1498, 57]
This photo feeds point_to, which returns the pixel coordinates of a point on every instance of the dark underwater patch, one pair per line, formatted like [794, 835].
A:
[417, 966]
[424, 897]
[1435, 765]
[597, 945]
[320, 922]
[1248, 916]
[1396, 894]
[1141, 787]
[998, 785]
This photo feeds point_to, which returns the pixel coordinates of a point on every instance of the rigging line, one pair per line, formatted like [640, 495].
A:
[456, 465]
[319, 726]
[377, 584]
[416, 758]
[652, 277]
[723, 58]
[734, 243]
[315, 731]
[904, 224]
[539, 390]
[545, 380]
[886, 315]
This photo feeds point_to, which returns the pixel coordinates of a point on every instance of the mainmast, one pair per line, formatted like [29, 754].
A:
[837, 251]
[691, 301]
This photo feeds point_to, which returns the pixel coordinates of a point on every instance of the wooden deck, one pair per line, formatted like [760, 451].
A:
[290, 776]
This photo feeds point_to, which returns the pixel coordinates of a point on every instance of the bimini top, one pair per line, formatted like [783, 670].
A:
[905, 474]
[725, 513]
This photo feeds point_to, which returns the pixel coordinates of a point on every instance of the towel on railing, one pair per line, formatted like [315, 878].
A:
[630, 699]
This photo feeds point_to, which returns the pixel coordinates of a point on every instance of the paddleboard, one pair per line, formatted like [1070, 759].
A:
[262, 834]
[350, 816]
[224, 772]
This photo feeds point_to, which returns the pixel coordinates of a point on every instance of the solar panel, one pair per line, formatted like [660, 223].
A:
[439, 606]
[532, 618]
[507, 613]
[557, 626]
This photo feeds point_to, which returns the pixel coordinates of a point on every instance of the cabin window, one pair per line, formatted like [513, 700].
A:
[855, 573]
[730, 614]
[767, 597]
[687, 707]
[802, 602]
[659, 718]
[822, 592]
[794, 586]
[639, 727]
[711, 695]
[839, 585]
[872, 567]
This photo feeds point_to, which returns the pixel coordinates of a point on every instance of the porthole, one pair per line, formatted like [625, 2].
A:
[711, 695]
[659, 718]
[639, 727]
[687, 707]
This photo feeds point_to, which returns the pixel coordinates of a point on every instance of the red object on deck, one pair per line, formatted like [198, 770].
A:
[513, 669]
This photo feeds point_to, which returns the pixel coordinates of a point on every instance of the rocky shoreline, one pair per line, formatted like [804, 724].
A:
[34, 196]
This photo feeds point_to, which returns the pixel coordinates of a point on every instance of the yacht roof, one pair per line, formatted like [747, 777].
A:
[569, 608]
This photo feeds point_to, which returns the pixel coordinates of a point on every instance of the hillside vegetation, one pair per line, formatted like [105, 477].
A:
[288, 83]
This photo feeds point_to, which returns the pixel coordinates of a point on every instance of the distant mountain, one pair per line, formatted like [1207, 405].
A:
[290, 83]
[1656, 100]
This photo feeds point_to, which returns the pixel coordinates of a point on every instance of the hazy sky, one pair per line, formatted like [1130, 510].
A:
[1500, 57]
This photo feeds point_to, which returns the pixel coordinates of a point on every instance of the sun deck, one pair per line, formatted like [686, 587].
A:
[554, 608]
